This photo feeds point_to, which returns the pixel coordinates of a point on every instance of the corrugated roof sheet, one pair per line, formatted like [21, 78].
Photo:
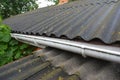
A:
[84, 19]
[54, 64]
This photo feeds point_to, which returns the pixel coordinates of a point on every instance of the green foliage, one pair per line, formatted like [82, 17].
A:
[13, 7]
[11, 49]
[55, 1]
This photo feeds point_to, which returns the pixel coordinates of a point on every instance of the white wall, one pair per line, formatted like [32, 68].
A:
[44, 3]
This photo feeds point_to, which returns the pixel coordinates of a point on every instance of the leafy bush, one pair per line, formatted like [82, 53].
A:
[11, 49]
[13, 7]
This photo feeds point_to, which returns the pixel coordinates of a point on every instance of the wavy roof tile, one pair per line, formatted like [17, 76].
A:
[54, 64]
[84, 19]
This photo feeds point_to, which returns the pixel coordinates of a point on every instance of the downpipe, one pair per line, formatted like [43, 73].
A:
[85, 49]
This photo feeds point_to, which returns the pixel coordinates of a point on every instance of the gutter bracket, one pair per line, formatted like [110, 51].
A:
[15, 37]
[35, 42]
[83, 51]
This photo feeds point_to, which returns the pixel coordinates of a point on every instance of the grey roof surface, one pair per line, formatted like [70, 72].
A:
[54, 64]
[84, 19]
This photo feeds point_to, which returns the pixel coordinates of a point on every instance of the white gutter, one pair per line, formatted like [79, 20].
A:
[85, 49]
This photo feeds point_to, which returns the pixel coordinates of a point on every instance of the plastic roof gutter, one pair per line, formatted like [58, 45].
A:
[85, 49]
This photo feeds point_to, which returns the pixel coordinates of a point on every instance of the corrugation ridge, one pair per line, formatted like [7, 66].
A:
[78, 24]
[95, 23]
[63, 25]
[49, 21]
[101, 34]
[60, 20]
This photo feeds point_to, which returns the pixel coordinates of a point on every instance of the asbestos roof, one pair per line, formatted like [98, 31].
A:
[54, 64]
[84, 19]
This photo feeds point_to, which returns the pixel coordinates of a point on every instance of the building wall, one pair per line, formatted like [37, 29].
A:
[63, 1]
